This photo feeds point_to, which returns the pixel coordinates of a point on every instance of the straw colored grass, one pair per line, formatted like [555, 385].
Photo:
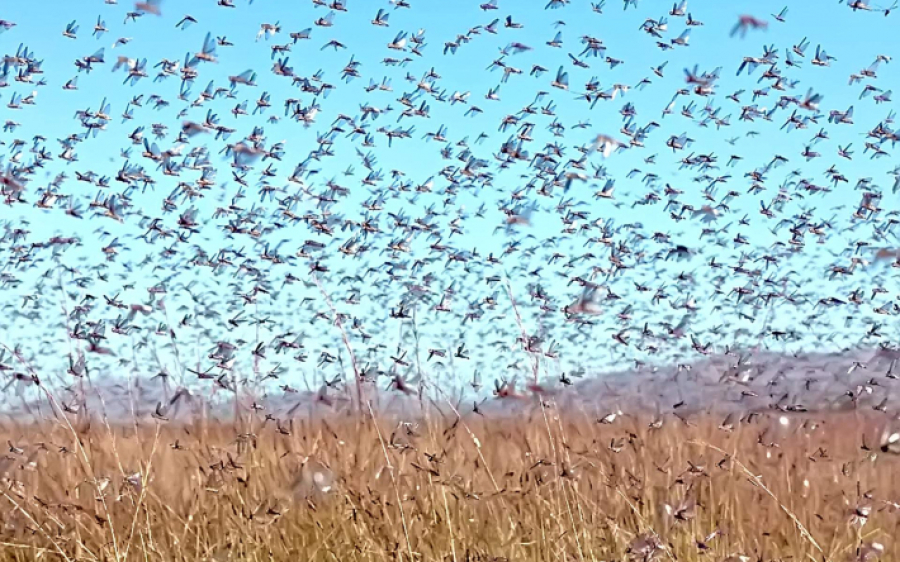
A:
[535, 484]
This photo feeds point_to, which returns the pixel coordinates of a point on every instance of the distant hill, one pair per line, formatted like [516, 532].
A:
[743, 382]
[755, 381]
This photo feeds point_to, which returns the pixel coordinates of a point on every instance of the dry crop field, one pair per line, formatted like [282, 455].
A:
[534, 484]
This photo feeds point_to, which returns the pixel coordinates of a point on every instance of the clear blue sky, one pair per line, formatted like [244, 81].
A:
[854, 38]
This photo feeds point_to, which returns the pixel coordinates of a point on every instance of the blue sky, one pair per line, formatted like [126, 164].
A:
[854, 38]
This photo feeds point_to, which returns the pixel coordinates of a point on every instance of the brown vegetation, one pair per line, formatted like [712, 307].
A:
[536, 485]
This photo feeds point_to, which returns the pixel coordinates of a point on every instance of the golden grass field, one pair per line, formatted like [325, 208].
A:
[531, 485]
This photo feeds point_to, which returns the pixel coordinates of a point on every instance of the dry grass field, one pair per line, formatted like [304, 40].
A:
[535, 484]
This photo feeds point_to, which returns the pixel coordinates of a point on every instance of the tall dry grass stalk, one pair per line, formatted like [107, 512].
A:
[530, 485]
